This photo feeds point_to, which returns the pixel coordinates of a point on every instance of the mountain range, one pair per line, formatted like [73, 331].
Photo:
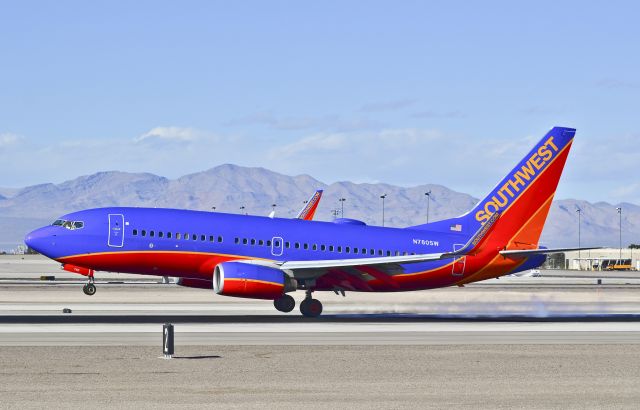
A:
[230, 187]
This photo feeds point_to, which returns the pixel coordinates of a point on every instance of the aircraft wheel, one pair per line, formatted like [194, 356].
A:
[311, 307]
[89, 289]
[284, 303]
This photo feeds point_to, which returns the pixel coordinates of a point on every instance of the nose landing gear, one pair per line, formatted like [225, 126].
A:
[90, 288]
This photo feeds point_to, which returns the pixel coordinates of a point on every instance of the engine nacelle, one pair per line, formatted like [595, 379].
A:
[250, 281]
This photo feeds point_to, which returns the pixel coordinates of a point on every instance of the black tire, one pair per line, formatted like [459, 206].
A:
[311, 307]
[284, 303]
[89, 289]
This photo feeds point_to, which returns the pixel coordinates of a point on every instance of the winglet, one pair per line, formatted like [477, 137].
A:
[309, 209]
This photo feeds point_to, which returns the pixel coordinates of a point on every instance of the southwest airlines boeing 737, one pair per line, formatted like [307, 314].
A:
[266, 258]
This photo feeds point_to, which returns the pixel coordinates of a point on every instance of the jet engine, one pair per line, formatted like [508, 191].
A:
[250, 281]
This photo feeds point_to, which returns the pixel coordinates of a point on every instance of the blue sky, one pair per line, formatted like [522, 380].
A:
[400, 92]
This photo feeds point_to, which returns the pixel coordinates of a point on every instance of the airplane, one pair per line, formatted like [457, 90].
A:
[258, 257]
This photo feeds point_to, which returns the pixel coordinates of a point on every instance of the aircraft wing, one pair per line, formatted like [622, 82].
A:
[523, 253]
[379, 267]
[309, 209]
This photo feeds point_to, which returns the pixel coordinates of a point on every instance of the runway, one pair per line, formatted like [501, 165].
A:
[554, 342]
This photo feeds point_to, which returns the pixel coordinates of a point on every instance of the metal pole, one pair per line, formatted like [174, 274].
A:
[428, 194]
[579, 211]
[342, 207]
[383, 197]
[619, 209]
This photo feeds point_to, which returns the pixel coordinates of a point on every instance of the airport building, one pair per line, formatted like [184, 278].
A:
[603, 259]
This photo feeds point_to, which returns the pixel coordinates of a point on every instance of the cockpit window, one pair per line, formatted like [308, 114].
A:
[71, 225]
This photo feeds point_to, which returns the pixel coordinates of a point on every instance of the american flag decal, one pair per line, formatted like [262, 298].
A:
[456, 228]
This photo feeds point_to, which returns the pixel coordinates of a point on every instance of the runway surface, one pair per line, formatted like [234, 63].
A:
[559, 341]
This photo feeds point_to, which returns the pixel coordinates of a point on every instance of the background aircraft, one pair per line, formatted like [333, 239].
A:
[266, 258]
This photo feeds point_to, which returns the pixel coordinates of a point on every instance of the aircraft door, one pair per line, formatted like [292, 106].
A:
[458, 264]
[277, 246]
[116, 230]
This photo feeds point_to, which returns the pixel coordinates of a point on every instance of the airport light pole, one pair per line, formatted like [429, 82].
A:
[428, 195]
[242, 209]
[579, 211]
[342, 206]
[383, 197]
[619, 209]
[213, 208]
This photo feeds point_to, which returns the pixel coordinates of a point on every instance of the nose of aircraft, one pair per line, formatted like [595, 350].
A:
[41, 240]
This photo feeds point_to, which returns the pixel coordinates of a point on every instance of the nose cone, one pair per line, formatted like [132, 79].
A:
[40, 240]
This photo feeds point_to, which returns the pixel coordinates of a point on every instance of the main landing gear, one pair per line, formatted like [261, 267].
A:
[90, 288]
[284, 303]
[310, 307]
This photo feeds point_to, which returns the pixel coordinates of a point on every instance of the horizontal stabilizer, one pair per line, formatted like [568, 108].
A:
[521, 253]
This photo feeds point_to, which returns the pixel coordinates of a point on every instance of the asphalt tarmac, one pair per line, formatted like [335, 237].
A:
[560, 341]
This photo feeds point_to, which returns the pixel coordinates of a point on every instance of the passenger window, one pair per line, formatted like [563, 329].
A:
[160, 234]
[296, 245]
[260, 242]
[203, 238]
[388, 253]
[194, 237]
[276, 243]
[169, 235]
[177, 235]
[144, 233]
[244, 241]
[152, 234]
[397, 253]
[364, 251]
[355, 250]
[268, 243]
[323, 247]
[330, 248]
[236, 240]
[315, 247]
[253, 241]
[339, 249]
[379, 252]
[287, 245]
[220, 239]
[372, 252]
[305, 246]
[211, 238]
[186, 236]
[135, 232]
[347, 249]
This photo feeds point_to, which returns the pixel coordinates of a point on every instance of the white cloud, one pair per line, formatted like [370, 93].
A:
[338, 143]
[179, 134]
[7, 139]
